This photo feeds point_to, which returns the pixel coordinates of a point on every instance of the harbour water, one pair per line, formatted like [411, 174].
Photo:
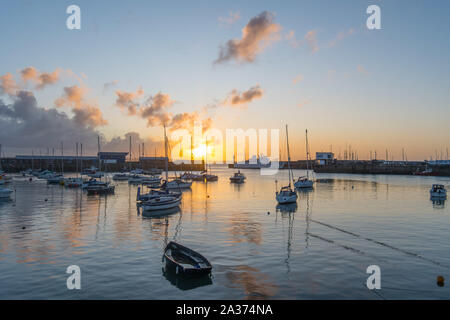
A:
[319, 249]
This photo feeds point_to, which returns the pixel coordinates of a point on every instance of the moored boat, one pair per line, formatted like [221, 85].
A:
[153, 193]
[438, 191]
[101, 188]
[185, 261]
[121, 177]
[5, 193]
[286, 194]
[176, 184]
[161, 202]
[238, 177]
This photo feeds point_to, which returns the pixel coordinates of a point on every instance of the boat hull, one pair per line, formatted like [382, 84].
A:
[194, 263]
[304, 184]
[164, 205]
[5, 193]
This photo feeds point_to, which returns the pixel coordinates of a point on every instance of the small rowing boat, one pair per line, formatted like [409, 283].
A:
[185, 261]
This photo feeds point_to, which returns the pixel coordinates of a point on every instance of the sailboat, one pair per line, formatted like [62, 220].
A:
[286, 194]
[74, 182]
[163, 200]
[176, 183]
[205, 176]
[98, 187]
[304, 182]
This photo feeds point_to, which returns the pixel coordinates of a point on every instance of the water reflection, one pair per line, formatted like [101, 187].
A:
[184, 282]
[159, 213]
[438, 203]
[243, 229]
[287, 208]
[254, 283]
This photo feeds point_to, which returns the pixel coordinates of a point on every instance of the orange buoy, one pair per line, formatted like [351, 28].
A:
[440, 281]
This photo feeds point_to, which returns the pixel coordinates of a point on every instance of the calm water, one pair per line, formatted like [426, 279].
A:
[317, 250]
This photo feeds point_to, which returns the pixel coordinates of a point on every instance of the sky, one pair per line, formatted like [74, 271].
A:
[314, 65]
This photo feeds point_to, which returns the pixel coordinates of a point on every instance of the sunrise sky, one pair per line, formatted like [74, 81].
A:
[230, 64]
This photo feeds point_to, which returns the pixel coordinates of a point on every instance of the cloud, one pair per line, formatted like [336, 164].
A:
[8, 84]
[290, 36]
[41, 79]
[72, 96]
[303, 103]
[259, 33]
[25, 125]
[341, 36]
[187, 121]
[231, 18]
[297, 79]
[362, 70]
[89, 115]
[109, 85]
[128, 100]
[311, 40]
[236, 98]
[154, 109]
[85, 113]
[123, 144]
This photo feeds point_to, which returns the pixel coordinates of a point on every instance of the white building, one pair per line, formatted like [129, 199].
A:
[324, 157]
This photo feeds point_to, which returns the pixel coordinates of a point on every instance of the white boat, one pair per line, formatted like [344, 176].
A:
[135, 178]
[137, 171]
[103, 188]
[438, 191]
[253, 163]
[45, 174]
[5, 193]
[55, 179]
[96, 174]
[305, 182]
[190, 176]
[155, 194]
[151, 181]
[161, 203]
[163, 200]
[27, 172]
[176, 184]
[121, 176]
[73, 182]
[91, 182]
[286, 194]
[238, 177]
[154, 171]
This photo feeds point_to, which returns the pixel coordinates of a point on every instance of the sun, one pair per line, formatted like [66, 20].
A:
[200, 151]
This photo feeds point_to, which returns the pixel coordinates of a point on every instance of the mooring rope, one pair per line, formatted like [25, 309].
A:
[383, 244]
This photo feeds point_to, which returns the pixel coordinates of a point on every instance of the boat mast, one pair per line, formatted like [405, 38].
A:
[289, 156]
[62, 158]
[76, 159]
[166, 156]
[206, 154]
[307, 155]
[98, 154]
[129, 164]
[81, 161]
